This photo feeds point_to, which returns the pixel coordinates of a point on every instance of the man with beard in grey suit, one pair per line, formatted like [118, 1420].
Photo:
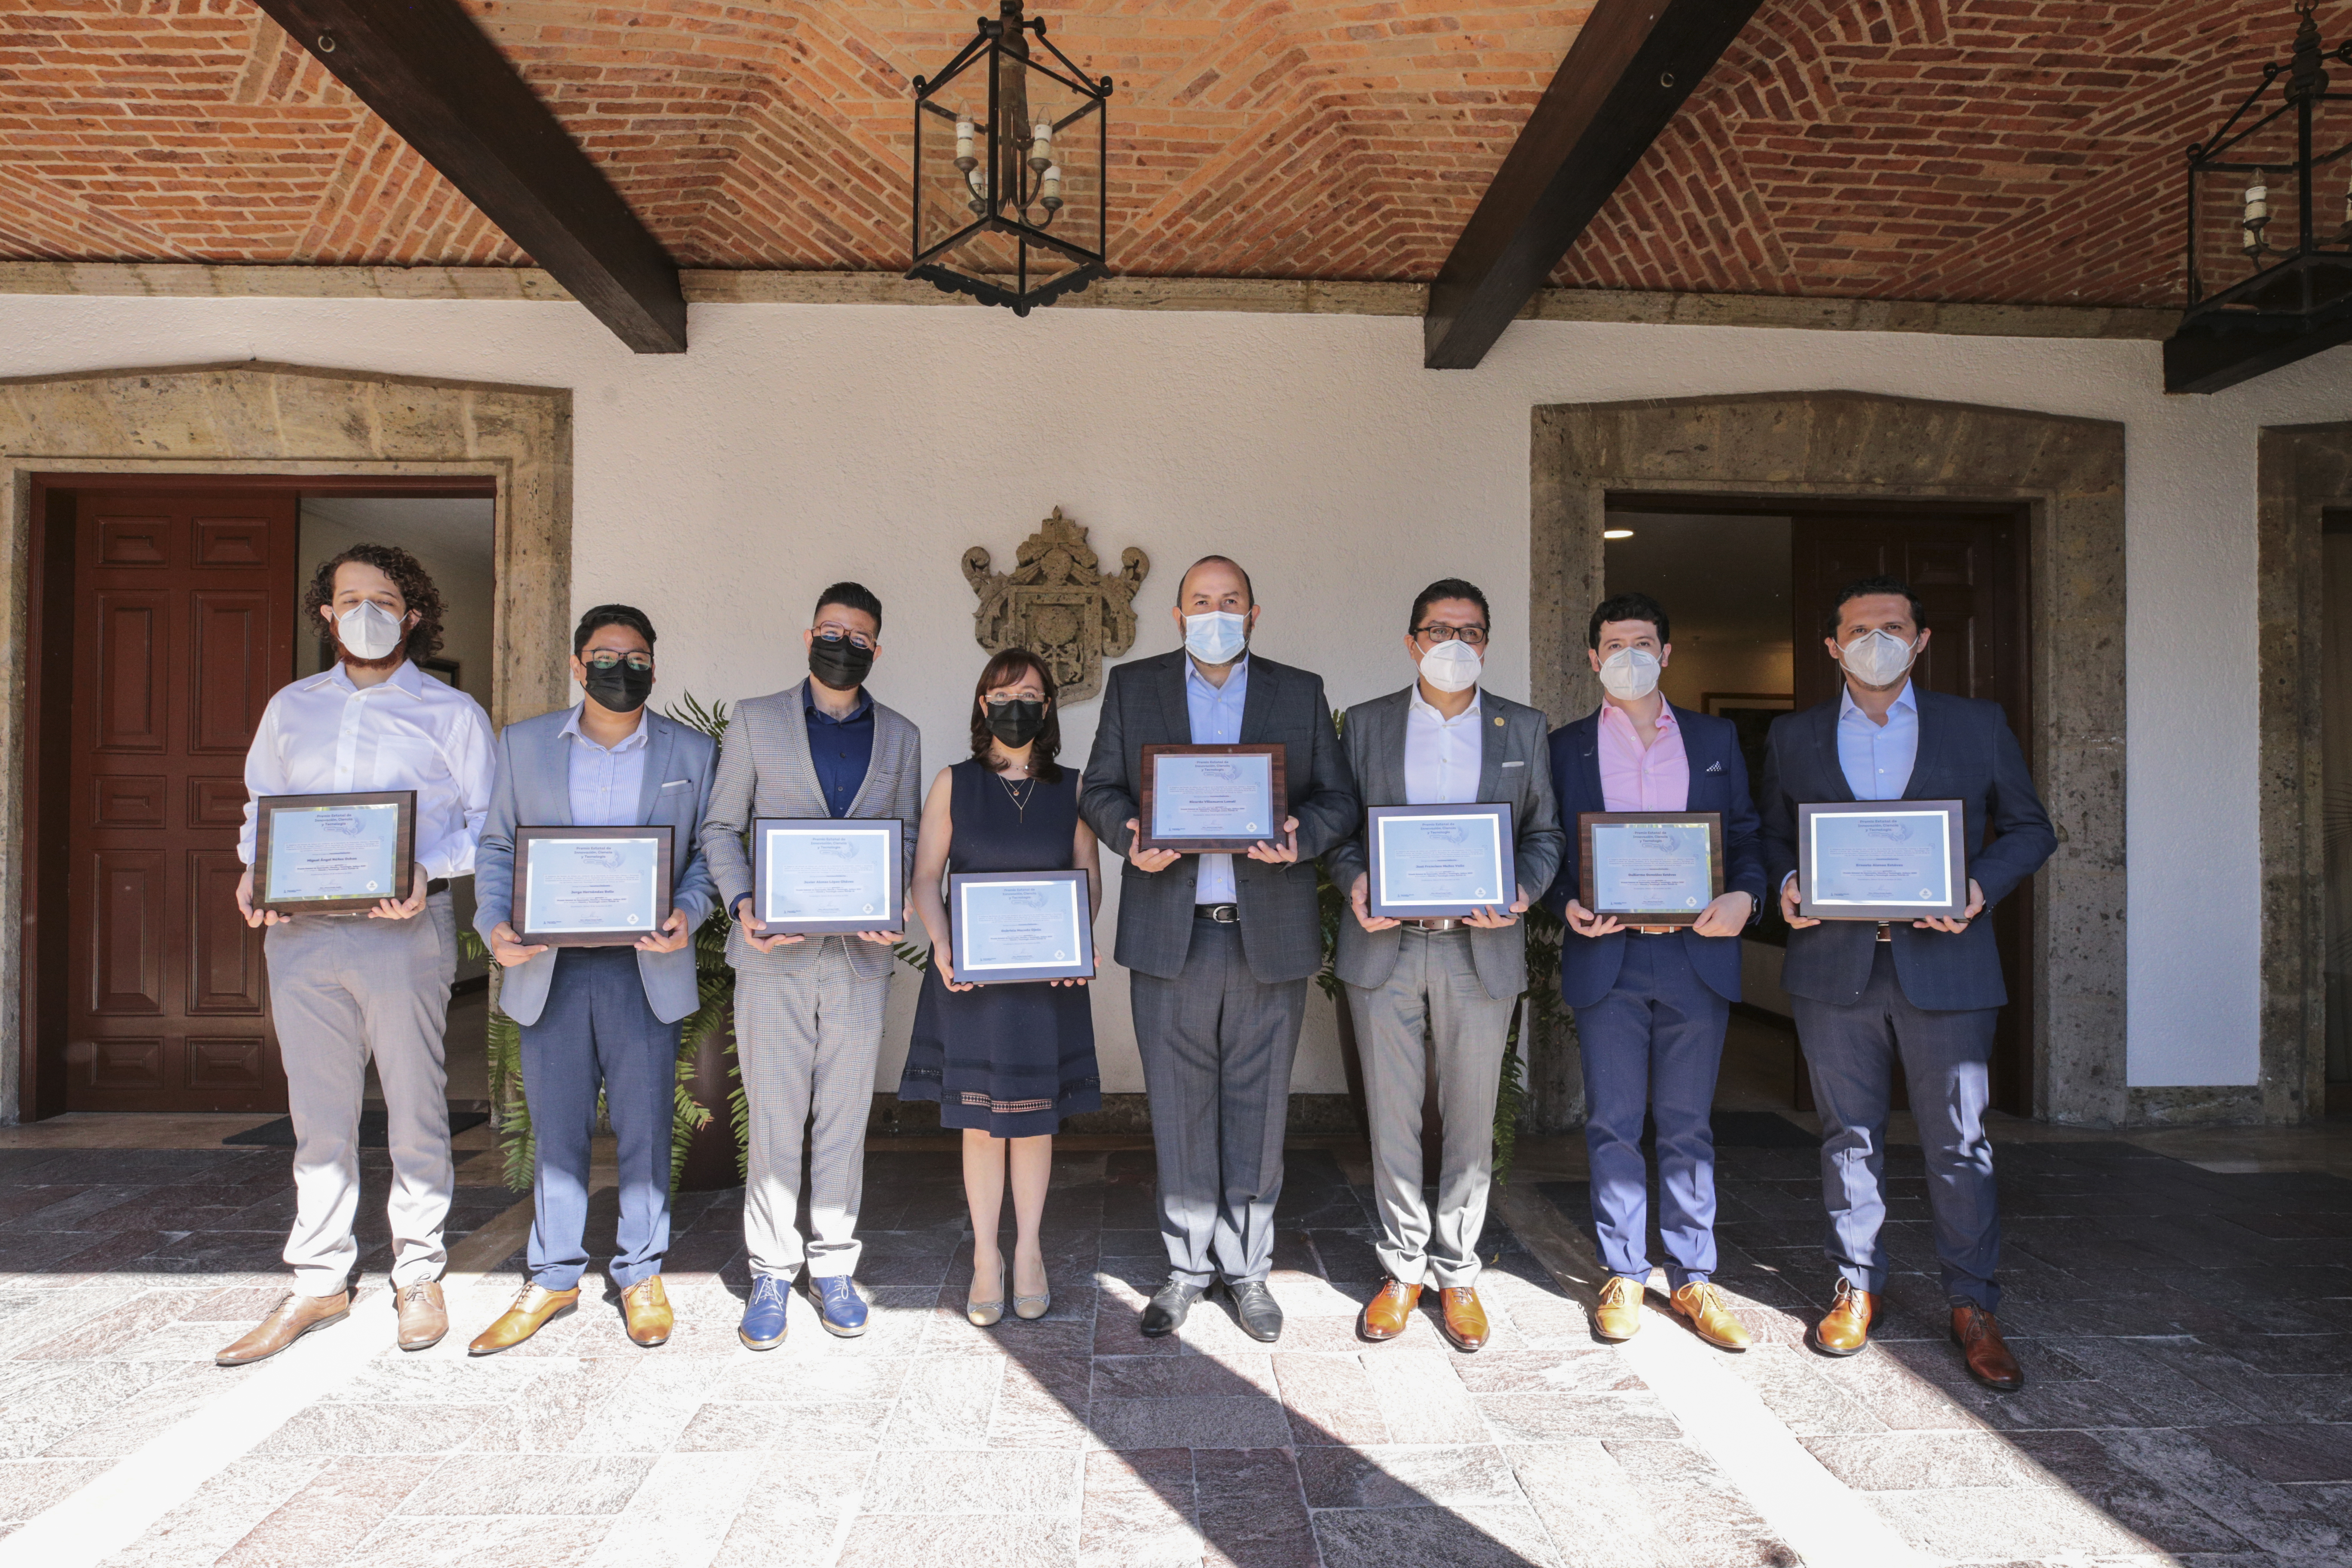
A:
[1221, 947]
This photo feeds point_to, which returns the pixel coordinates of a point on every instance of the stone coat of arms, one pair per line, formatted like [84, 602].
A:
[1057, 603]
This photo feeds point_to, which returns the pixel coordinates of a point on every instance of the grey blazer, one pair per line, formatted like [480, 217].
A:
[1282, 924]
[764, 771]
[1515, 769]
[533, 789]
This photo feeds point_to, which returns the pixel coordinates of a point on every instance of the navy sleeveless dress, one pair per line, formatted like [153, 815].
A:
[1011, 1060]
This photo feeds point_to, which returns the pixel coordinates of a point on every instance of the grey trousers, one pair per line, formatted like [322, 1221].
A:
[1432, 1002]
[806, 1039]
[1217, 1046]
[343, 988]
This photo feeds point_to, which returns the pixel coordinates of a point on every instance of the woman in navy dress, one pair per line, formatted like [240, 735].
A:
[1005, 1062]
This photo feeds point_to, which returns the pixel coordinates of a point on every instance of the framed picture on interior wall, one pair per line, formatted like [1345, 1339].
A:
[446, 670]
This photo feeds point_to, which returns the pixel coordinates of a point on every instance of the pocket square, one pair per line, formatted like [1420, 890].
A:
[1517, 763]
[1714, 767]
[677, 783]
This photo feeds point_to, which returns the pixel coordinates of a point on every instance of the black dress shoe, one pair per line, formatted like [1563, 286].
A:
[1169, 1308]
[1254, 1305]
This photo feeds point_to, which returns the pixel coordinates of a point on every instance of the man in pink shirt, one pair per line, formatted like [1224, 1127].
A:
[1651, 1002]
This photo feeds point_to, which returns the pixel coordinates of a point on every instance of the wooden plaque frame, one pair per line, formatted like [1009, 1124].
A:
[405, 843]
[1955, 814]
[1278, 785]
[1586, 821]
[1081, 968]
[897, 885]
[662, 834]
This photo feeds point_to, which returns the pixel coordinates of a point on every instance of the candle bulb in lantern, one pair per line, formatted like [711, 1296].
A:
[1041, 146]
[964, 159]
[1051, 192]
[2258, 213]
[979, 189]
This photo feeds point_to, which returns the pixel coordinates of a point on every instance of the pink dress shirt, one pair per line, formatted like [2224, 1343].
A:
[1632, 779]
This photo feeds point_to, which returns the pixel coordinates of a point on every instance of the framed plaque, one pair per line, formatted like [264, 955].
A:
[1021, 925]
[1212, 799]
[1428, 862]
[829, 876]
[1650, 867]
[1881, 859]
[590, 887]
[332, 854]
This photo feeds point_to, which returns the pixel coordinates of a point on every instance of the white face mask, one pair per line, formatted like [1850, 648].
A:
[1877, 659]
[1217, 637]
[369, 630]
[1451, 665]
[1629, 674]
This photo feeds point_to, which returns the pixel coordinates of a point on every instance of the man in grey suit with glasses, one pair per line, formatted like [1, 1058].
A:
[1220, 947]
[808, 1010]
[1444, 986]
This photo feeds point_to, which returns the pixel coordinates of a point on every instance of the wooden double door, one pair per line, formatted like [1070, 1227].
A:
[182, 610]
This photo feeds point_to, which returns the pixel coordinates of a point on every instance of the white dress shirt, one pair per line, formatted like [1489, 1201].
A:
[1442, 757]
[322, 735]
[606, 783]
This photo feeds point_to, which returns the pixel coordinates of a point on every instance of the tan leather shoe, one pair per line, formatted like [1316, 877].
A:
[646, 1306]
[1620, 1316]
[1987, 1357]
[1845, 1328]
[1462, 1317]
[1710, 1316]
[423, 1317]
[1385, 1316]
[287, 1322]
[532, 1310]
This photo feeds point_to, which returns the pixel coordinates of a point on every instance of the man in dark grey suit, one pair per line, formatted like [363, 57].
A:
[1443, 986]
[1221, 947]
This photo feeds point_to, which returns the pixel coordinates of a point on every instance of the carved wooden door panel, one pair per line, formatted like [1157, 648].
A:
[183, 626]
[1969, 570]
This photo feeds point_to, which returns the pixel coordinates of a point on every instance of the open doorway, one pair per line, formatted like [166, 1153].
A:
[1747, 583]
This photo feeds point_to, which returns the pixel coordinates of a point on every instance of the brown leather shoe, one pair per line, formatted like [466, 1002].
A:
[1385, 1316]
[1620, 1315]
[422, 1318]
[1845, 1328]
[1462, 1317]
[646, 1306]
[1977, 1334]
[287, 1322]
[532, 1310]
[1710, 1316]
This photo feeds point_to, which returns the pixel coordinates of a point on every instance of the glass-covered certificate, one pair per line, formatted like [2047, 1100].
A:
[1021, 925]
[332, 854]
[1212, 799]
[590, 887]
[827, 875]
[1881, 859]
[1432, 862]
[1650, 867]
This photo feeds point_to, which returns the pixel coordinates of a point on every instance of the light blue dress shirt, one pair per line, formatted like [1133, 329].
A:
[1215, 712]
[1877, 758]
[606, 785]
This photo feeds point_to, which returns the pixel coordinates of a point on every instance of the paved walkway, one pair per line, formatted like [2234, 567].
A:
[2187, 1335]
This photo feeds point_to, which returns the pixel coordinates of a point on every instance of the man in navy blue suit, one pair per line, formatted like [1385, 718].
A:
[1925, 991]
[1652, 1002]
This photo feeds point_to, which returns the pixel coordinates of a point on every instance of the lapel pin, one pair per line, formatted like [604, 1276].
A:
[1498, 724]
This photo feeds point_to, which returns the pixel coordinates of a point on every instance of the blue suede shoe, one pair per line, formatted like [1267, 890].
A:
[839, 1309]
[763, 1328]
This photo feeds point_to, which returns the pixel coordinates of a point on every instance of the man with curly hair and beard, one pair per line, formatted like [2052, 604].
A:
[346, 988]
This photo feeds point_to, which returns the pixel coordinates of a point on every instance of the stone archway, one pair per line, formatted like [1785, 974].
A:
[2069, 474]
[255, 417]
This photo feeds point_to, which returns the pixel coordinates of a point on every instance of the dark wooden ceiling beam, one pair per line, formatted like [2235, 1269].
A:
[1631, 68]
[2205, 357]
[438, 80]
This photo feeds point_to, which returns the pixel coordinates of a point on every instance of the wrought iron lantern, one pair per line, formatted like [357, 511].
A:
[1010, 199]
[2270, 200]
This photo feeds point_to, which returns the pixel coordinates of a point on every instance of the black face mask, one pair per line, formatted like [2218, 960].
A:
[1016, 722]
[622, 689]
[839, 663]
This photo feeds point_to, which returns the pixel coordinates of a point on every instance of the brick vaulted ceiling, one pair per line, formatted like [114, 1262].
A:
[1981, 150]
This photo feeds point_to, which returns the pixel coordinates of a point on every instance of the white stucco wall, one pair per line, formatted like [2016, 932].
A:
[795, 445]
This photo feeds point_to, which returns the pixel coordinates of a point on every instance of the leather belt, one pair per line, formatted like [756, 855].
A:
[1223, 914]
[1885, 930]
[437, 885]
[1656, 930]
[1435, 923]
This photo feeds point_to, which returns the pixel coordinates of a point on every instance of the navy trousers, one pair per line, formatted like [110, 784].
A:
[1850, 1049]
[1655, 1041]
[597, 1029]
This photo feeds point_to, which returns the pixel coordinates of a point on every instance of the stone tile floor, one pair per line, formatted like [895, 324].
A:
[2189, 1336]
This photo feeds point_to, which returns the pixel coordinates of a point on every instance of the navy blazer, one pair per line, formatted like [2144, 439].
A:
[1965, 753]
[1718, 781]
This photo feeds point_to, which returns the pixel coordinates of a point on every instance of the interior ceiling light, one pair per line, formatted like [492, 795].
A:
[1616, 533]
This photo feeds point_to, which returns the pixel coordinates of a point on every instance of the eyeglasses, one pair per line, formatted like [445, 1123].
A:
[1475, 635]
[842, 634]
[606, 659]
